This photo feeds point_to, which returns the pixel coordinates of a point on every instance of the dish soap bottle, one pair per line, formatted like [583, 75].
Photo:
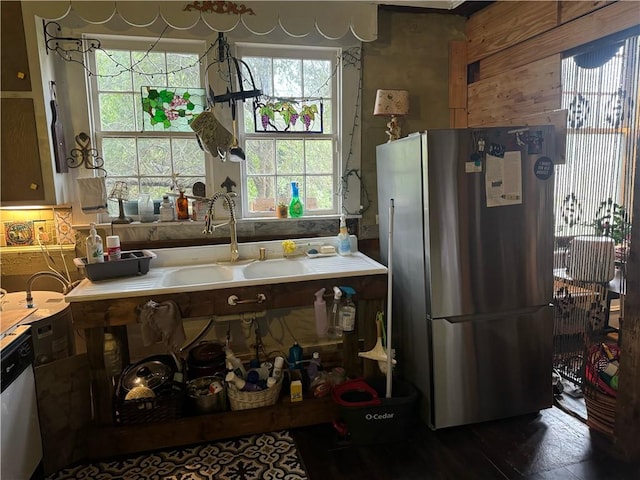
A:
[95, 251]
[334, 330]
[295, 206]
[348, 311]
[344, 244]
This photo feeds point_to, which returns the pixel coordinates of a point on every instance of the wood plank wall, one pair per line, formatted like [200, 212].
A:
[514, 50]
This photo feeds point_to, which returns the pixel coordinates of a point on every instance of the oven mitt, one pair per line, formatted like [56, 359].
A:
[212, 136]
[162, 322]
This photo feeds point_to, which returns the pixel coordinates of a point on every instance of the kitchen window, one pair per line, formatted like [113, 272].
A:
[294, 147]
[154, 150]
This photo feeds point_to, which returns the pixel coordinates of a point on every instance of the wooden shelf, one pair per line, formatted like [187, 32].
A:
[105, 442]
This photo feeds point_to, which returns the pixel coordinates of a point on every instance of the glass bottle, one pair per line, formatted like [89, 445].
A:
[145, 208]
[167, 213]
[182, 206]
[295, 206]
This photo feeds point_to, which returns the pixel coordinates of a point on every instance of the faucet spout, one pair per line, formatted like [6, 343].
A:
[67, 285]
[209, 227]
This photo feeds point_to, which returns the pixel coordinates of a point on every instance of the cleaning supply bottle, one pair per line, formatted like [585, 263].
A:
[242, 384]
[234, 364]
[295, 356]
[348, 311]
[295, 206]
[334, 329]
[314, 367]
[344, 244]
[320, 307]
[95, 251]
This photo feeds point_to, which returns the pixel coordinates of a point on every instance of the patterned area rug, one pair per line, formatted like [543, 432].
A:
[258, 457]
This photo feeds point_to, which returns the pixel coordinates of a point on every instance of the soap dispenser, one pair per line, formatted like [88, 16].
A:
[344, 244]
[348, 311]
[334, 329]
[95, 251]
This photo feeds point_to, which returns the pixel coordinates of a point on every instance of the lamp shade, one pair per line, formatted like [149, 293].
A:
[120, 191]
[391, 103]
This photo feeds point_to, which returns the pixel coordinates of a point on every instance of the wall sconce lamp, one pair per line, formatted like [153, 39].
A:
[394, 104]
[120, 192]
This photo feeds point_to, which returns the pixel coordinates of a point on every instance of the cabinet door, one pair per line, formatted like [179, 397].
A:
[15, 63]
[21, 169]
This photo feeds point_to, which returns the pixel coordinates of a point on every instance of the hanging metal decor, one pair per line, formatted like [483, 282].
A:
[291, 115]
[171, 109]
[85, 155]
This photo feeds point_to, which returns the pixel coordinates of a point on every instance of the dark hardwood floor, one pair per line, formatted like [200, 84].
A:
[549, 445]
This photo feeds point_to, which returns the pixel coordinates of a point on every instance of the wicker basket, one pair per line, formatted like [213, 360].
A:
[599, 397]
[167, 405]
[239, 400]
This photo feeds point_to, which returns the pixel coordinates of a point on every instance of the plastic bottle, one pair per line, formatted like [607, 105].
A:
[278, 363]
[344, 244]
[95, 251]
[295, 356]
[113, 248]
[295, 206]
[348, 311]
[320, 307]
[166, 210]
[334, 329]
[241, 384]
[234, 364]
[314, 367]
[182, 206]
[112, 356]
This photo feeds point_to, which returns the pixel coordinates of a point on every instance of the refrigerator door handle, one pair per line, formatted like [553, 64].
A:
[490, 316]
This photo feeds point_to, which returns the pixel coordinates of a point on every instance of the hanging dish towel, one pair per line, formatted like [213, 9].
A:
[162, 322]
[93, 194]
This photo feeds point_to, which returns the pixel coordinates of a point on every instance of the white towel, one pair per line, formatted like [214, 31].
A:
[162, 322]
[93, 194]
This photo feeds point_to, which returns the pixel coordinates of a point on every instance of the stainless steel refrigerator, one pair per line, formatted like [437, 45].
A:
[472, 268]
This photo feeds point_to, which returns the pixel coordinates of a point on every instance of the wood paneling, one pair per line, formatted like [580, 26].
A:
[527, 90]
[503, 24]
[610, 19]
[14, 74]
[572, 9]
[458, 84]
[21, 170]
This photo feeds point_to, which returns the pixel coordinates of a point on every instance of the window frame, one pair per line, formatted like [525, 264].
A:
[333, 54]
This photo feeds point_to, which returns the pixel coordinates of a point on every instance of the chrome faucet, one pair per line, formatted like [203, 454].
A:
[209, 227]
[66, 284]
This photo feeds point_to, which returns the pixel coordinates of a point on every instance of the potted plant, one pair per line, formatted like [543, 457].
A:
[282, 210]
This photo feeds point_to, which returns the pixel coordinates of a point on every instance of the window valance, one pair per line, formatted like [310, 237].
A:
[332, 19]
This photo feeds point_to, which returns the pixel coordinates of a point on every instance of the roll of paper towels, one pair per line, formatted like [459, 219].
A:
[591, 259]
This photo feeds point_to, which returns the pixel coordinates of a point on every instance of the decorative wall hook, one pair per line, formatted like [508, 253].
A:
[52, 41]
[85, 155]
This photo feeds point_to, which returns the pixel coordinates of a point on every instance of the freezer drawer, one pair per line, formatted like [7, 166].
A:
[492, 366]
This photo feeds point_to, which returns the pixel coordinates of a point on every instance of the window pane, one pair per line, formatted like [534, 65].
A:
[317, 78]
[112, 69]
[320, 192]
[319, 156]
[260, 156]
[155, 156]
[119, 156]
[261, 70]
[153, 66]
[186, 68]
[290, 156]
[116, 112]
[261, 194]
[156, 186]
[188, 159]
[287, 77]
[327, 112]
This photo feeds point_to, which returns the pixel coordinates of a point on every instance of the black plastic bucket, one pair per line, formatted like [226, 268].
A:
[368, 417]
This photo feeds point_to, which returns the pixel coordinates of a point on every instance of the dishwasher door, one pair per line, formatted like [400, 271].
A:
[492, 366]
[20, 442]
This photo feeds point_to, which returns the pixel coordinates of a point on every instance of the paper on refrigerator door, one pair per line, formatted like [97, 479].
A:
[504, 179]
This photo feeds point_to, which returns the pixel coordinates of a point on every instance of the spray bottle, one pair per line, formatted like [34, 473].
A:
[335, 329]
[344, 245]
[348, 311]
[320, 307]
[95, 251]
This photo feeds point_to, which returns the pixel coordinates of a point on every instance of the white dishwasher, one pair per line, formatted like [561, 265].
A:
[20, 443]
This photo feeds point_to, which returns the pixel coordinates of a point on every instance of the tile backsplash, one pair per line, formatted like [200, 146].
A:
[24, 227]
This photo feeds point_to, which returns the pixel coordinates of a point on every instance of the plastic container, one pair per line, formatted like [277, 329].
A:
[295, 357]
[296, 209]
[334, 329]
[113, 248]
[370, 418]
[348, 311]
[320, 307]
[131, 263]
[344, 244]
